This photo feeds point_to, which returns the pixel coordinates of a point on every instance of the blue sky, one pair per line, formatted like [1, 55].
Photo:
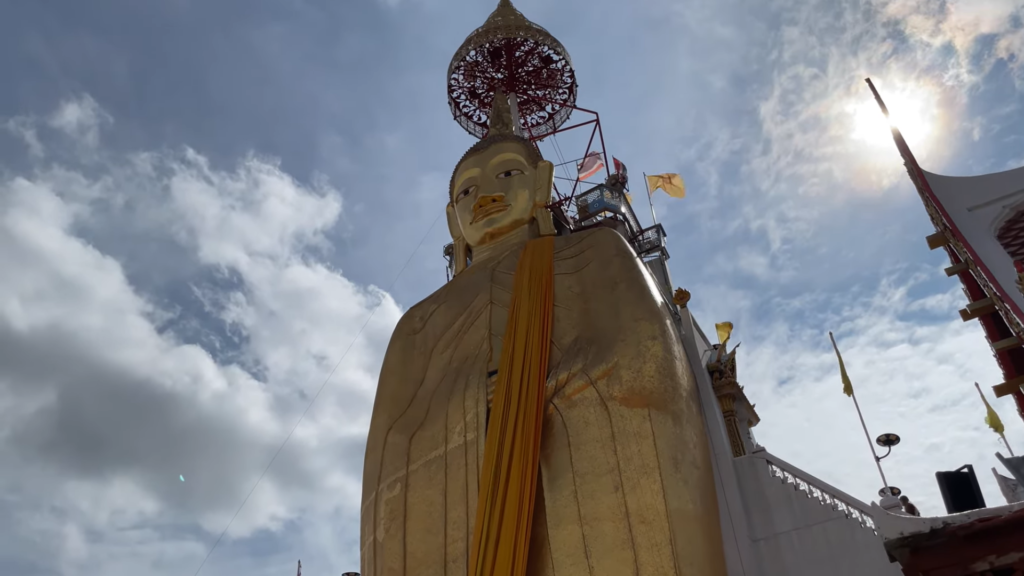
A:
[202, 204]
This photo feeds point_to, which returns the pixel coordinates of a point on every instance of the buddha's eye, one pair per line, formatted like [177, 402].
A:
[510, 173]
[466, 192]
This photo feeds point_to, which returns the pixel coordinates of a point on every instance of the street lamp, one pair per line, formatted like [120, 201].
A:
[887, 441]
[889, 491]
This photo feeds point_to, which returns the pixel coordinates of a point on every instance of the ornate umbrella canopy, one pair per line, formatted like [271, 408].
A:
[511, 53]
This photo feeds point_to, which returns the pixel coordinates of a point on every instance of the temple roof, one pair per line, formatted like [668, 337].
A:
[985, 212]
[975, 540]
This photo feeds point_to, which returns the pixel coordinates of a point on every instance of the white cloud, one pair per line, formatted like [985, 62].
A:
[25, 129]
[961, 23]
[816, 112]
[101, 410]
[80, 118]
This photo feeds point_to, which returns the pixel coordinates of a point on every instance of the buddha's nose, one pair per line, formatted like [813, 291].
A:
[487, 199]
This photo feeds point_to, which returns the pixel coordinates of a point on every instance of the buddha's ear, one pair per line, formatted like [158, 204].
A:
[542, 197]
[461, 251]
[453, 222]
[545, 182]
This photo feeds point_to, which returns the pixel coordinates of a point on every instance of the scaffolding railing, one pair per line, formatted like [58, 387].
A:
[603, 201]
[650, 241]
[591, 207]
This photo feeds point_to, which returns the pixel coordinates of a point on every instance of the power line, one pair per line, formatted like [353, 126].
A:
[311, 402]
[561, 158]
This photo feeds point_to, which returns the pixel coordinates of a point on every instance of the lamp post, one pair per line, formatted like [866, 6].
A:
[887, 441]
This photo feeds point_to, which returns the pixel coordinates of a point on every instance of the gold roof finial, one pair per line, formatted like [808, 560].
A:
[501, 122]
[506, 22]
[511, 53]
[504, 15]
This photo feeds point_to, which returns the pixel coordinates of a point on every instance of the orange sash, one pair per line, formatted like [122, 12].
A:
[508, 482]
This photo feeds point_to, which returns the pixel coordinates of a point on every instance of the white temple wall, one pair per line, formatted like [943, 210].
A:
[659, 270]
[795, 534]
[744, 416]
[739, 551]
[771, 527]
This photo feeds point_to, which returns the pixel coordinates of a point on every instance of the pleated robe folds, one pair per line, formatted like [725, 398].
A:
[626, 483]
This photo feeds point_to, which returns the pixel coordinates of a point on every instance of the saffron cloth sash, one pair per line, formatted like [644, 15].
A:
[508, 481]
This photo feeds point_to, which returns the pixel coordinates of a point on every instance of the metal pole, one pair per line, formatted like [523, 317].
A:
[604, 150]
[585, 154]
[649, 201]
[517, 126]
[1007, 444]
[878, 461]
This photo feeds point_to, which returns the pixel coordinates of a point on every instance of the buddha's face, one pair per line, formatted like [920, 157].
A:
[497, 190]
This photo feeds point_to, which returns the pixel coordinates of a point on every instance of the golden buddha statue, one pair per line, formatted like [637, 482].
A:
[625, 479]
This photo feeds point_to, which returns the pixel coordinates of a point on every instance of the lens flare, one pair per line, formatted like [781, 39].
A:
[912, 108]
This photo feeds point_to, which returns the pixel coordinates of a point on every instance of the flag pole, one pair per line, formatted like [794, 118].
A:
[878, 461]
[987, 407]
[649, 201]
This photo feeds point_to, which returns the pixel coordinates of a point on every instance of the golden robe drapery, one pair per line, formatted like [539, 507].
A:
[508, 482]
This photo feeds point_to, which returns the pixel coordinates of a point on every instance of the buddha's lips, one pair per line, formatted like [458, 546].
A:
[489, 210]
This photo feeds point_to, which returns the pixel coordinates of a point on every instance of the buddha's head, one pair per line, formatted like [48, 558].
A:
[501, 184]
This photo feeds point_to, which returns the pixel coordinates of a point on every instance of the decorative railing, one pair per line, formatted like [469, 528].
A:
[835, 502]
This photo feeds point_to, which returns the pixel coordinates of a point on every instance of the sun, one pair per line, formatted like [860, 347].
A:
[912, 108]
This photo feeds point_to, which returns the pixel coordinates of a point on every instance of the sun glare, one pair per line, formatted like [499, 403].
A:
[912, 109]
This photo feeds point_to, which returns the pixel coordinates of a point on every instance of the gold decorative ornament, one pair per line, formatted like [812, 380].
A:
[730, 394]
[504, 22]
[511, 53]
[681, 297]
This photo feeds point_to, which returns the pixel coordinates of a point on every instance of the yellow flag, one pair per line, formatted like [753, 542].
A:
[724, 330]
[847, 385]
[629, 198]
[991, 418]
[672, 184]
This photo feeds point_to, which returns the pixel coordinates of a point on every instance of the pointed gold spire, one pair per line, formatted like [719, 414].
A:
[506, 15]
[510, 52]
[506, 22]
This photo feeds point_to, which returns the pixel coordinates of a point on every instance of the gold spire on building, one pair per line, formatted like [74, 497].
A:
[506, 22]
[511, 53]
